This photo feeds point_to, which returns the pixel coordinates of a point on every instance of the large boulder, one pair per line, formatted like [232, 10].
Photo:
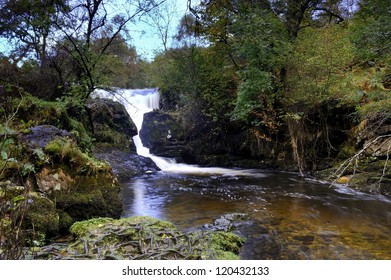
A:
[111, 123]
[143, 238]
[67, 184]
[126, 165]
[376, 142]
[40, 136]
[162, 134]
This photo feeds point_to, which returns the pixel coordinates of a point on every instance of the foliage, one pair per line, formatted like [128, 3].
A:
[259, 43]
[371, 31]
[319, 68]
[190, 78]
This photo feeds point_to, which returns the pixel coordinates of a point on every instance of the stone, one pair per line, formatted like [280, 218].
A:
[162, 134]
[142, 238]
[40, 136]
[111, 123]
[126, 165]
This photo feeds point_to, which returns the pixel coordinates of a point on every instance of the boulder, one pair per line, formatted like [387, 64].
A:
[375, 137]
[111, 123]
[40, 136]
[72, 185]
[142, 238]
[126, 165]
[162, 134]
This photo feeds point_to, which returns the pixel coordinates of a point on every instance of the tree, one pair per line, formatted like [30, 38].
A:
[371, 30]
[29, 26]
[88, 21]
[259, 44]
[302, 13]
[161, 18]
[120, 66]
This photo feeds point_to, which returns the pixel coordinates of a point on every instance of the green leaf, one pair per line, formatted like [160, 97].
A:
[4, 155]
[28, 168]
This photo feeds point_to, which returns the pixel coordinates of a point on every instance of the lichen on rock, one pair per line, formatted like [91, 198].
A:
[143, 238]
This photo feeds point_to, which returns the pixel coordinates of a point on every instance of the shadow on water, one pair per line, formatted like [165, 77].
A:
[292, 218]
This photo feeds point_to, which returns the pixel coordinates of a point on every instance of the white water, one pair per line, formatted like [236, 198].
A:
[140, 101]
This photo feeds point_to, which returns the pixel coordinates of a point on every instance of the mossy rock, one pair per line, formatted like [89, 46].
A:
[112, 124]
[91, 197]
[225, 246]
[42, 215]
[65, 221]
[144, 238]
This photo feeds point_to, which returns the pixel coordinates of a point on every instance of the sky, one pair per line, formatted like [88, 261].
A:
[143, 36]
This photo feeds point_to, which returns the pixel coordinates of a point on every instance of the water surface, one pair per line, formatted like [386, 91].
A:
[292, 218]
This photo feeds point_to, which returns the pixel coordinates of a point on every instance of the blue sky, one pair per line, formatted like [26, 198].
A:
[143, 36]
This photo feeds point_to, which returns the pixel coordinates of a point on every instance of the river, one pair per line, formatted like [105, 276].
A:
[289, 217]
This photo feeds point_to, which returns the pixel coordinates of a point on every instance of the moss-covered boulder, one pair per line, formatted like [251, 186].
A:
[42, 215]
[143, 238]
[82, 186]
[64, 183]
[112, 124]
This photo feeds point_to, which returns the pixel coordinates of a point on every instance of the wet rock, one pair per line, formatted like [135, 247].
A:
[162, 134]
[228, 222]
[126, 165]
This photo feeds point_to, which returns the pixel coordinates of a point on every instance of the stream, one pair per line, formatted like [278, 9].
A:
[289, 217]
[292, 218]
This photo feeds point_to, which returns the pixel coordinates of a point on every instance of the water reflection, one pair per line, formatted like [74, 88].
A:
[294, 218]
[139, 201]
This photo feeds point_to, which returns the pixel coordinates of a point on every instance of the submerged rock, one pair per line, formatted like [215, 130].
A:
[229, 222]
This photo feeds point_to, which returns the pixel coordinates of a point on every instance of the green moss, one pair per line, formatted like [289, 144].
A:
[42, 215]
[148, 238]
[84, 140]
[66, 150]
[223, 246]
[226, 241]
[83, 228]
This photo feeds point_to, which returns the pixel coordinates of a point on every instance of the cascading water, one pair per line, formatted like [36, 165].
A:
[140, 101]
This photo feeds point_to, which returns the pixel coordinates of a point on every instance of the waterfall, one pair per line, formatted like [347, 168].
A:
[140, 101]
